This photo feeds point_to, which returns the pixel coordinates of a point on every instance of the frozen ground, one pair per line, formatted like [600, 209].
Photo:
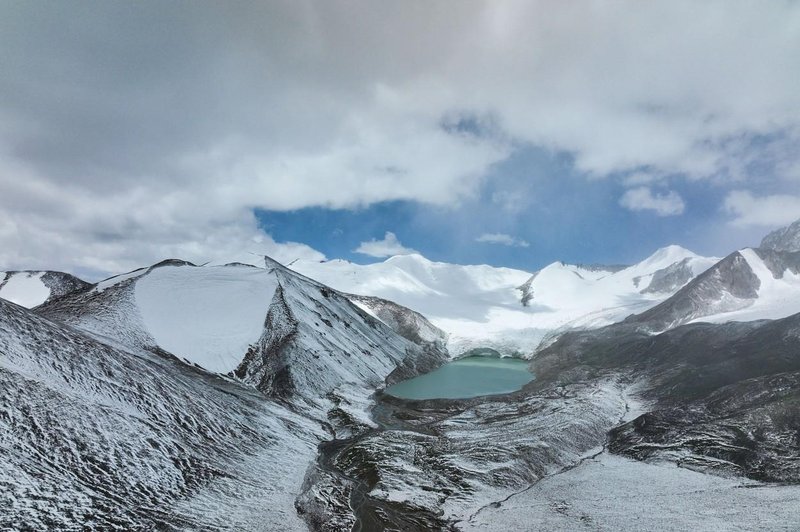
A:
[614, 493]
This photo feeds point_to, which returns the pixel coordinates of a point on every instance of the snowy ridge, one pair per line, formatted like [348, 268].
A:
[407, 323]
[317, 343]
[509, 310]
[285, 334]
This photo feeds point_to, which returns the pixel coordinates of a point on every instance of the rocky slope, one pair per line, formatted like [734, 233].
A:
[723, 397]
[140, 436]
[783, 239]
[285, 334]
[715, 399]
[99, 437]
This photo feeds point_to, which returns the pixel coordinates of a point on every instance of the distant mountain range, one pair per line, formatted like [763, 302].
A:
[508, 310]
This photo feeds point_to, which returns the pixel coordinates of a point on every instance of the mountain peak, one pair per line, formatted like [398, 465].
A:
[670, 255]
[415, 257]
[783, 239]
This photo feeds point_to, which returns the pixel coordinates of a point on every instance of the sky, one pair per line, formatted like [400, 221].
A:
[499, 132]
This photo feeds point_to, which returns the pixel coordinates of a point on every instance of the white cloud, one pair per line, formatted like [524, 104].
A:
[642, 199]
[502, 239]
[285, 105]
[387, 247]
[73, 229]
[768, 211]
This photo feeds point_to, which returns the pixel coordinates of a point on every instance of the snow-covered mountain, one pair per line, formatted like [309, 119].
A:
[248, 397]
[509, 310]
[32, 288]
[285, 334]
[749, 284]
[176, 394]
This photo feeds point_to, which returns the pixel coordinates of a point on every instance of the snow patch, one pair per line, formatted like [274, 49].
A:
[25, 289]
[208, 315]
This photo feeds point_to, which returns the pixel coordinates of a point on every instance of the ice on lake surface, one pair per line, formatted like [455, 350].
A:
[472, 376]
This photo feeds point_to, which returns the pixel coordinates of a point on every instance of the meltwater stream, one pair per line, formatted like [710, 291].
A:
[467, 377]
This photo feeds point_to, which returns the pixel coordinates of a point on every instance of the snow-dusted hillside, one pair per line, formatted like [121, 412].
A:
[96, 437]
[32, 288]
[512, 310]
[103, 425]
[287, 335]
[243, 396]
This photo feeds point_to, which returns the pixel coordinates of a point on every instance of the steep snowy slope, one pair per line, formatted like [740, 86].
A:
[511, 310]
[288, 335]
[95, 437]
[749, 284]
[778, 292]
[207, 315]
[32, 288]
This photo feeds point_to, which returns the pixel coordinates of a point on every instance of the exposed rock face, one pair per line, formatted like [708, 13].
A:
[669, 279]
[780, 262]
[61, 284]
[728, 285]
[409, 324]
[784, 239]
[526, 291]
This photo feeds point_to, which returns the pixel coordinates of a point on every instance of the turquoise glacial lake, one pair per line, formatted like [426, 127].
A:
[467, 377]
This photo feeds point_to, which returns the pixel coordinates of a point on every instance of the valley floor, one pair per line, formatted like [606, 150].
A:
[610, 492]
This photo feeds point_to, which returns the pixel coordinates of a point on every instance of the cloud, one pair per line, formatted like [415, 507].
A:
[768, 211]
[387, 247]
[502, 239]
[642, 199]
[169, 124]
